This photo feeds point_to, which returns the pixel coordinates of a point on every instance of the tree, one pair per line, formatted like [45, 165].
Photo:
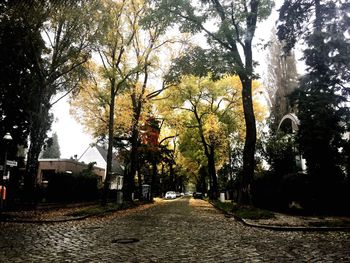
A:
[321, 98]
[17, 74]
[117, 31]
[128, 53]
[282, 79]
[209, 111]
[53, 40]
[53, 148]
[234, 28]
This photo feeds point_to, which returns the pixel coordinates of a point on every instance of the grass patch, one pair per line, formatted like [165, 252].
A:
[246, 212]
[253, 213]
[227, 207]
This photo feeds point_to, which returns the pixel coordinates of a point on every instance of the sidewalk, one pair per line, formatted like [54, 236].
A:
[287, 222]
[283, 222]
[46, 215]
[71, 213]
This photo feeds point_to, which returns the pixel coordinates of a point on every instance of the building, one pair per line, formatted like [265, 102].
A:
[93, 154]
[48, 167]
[98, 154]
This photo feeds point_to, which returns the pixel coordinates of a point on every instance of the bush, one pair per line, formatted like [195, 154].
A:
[247, 212]
[253, 213]
[275, 191]
[72, 187]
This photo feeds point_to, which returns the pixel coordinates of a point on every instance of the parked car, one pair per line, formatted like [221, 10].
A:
[197, 195]
[170, 195]
[178, 194]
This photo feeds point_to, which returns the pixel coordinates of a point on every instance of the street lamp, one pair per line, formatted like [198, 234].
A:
[7, 138]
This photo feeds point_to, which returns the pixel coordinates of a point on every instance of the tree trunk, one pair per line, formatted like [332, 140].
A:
[249, 146]
[172, 177]
[139, 179]
[40, 124]
[30, 179]
[212, 173]
[129, 184]
[154, 177]
[110, 146]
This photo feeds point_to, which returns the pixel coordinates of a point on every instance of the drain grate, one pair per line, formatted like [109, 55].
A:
[125, 240]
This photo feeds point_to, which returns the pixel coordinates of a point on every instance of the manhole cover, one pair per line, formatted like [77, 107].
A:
[125, 240]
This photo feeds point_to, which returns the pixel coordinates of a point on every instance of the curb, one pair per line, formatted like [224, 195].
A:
[68, 219]
[281, 228]
[45, 221]
[60, 220]
[292, 228]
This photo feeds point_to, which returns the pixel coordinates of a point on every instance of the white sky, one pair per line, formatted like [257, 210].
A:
[71, 136]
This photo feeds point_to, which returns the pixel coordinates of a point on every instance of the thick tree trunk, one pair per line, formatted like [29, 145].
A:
[110, 147]
[244, 196]
[30, 179]
[40, 124]
[129, 184]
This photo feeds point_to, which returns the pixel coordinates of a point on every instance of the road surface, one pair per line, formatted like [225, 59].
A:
[181, 230]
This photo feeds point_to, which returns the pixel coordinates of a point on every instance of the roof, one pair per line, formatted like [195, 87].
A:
[116, 166]
[42, 160]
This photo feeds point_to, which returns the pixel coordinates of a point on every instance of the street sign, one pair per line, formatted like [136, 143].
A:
[11, 163]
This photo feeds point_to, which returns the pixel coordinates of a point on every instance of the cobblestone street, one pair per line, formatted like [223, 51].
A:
[183, 230]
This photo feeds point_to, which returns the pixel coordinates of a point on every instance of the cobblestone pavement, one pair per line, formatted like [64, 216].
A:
[183, 230]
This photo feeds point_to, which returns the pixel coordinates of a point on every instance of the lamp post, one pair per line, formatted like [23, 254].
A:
[7, 138]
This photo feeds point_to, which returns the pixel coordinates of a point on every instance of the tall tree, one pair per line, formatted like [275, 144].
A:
[53, 148]
[282, 79]
[17, 74]
[147, 46]
[209, 111]
[56, 38]
[117, 31]
[127, 54]
[323, 112]
[234, 29]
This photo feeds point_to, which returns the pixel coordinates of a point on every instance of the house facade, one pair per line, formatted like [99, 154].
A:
[93, 154]
[52, 166]
[98, 154]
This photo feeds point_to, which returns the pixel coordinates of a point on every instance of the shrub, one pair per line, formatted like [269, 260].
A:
[72, 187]
[266, 191]
[276, 191]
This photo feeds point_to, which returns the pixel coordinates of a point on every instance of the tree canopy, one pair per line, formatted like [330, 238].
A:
[52, 149]
[205, 113]
[233, 29]
[322, 96]
[52, 44]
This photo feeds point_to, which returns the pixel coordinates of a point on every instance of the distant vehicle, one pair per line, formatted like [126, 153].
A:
[178, 194]
[197, 195]
[189, 193]
[170, 195]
